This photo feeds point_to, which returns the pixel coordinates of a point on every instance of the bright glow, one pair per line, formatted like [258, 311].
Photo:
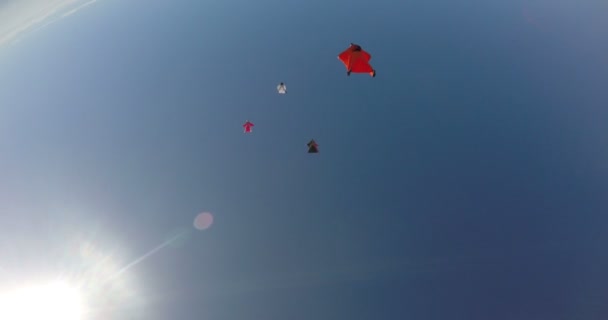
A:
[55, 301]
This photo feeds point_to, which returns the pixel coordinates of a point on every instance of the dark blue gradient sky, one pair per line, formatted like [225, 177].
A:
[468, 180]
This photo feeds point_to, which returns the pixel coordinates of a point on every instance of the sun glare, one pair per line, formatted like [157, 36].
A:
[55, 301]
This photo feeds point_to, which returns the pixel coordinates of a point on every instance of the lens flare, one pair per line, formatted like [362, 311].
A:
[203, 221]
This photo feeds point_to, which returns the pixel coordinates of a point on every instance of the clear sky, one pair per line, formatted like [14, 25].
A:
[467, 180]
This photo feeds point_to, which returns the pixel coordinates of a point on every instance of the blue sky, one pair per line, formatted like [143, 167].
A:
[468, 180]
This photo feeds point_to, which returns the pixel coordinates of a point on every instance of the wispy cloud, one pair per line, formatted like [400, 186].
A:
[20, 16]
[71, 12]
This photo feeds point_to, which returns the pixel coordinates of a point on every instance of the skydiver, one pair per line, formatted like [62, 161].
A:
[312, 147]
